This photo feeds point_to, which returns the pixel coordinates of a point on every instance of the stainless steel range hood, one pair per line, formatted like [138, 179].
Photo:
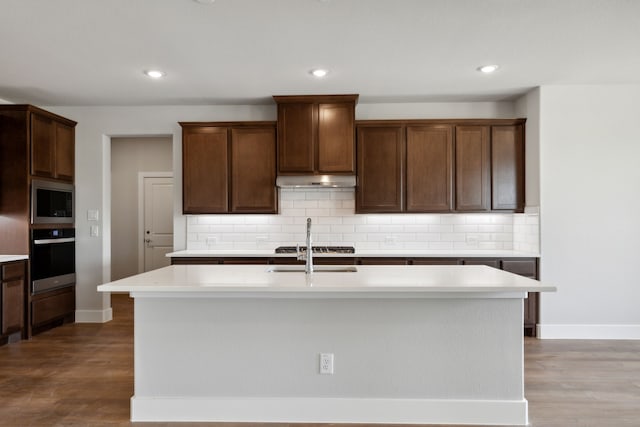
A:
[316, 181]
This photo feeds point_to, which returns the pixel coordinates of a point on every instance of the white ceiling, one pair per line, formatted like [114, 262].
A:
[93, 52]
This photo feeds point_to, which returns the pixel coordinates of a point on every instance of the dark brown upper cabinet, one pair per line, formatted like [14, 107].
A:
[472, 169]
[507, 168]
[381, 153]
[228, 167]
[429, 168]
[316, 134]
[253, 170]
[52, 147]
[424, 166]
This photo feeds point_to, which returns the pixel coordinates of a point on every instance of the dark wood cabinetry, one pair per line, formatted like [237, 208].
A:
[380, 169]
[53, 308]
[316, 134]
[428, 166]
[527, 268]
[34, 144]
[52, 147]
[228, 167]
[13, 292]
[253, 170]
[205, 169]
[472, 169]
[507, 168]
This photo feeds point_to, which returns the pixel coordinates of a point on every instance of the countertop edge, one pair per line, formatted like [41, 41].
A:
[357, 254]
[9, 258]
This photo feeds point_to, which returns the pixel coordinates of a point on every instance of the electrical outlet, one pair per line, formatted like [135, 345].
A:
[390, 240]
[326, 363]
[212, 240]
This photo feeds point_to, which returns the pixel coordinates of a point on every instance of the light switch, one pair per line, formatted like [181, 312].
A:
[92, 215]
[94, 231]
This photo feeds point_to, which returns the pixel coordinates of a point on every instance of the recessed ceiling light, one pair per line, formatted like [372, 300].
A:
[155, 74]
[319, 72]
[487, 69]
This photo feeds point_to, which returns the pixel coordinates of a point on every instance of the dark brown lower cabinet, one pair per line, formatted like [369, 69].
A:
[12, 301]
[52, 309]
[434, 261]
[527, 268]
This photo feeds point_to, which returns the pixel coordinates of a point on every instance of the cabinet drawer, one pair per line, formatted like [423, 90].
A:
[53, 307]
[13, 270]
[522, 267]
[383, 261]
[435, 261]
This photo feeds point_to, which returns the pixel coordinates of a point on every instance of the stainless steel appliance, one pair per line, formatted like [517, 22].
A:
[53, 259]
[51, 202]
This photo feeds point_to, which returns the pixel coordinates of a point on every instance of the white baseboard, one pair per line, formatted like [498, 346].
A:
[329, 410]
[94, 316]
[589, 332]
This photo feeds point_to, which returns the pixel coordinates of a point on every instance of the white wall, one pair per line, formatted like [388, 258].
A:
[129, 156]
[96, 126]
[528, 107]
[590, 211]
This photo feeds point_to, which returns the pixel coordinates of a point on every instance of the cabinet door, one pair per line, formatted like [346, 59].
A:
[296, 137]
[253, 170]
[472, 168]
[64, 152]
[380, 169]
[383, 261]
[43, 136]
[429, 168]
[507, 168]
[205, 168]
[12, 306]
[336, 139]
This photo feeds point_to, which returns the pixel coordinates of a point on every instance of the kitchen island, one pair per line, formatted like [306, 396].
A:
[410, 344]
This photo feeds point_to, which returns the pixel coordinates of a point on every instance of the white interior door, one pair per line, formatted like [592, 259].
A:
[158, 221]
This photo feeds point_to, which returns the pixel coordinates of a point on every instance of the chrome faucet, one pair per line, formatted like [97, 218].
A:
[308, 254]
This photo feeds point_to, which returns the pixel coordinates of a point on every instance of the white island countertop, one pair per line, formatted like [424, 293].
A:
[383, 281]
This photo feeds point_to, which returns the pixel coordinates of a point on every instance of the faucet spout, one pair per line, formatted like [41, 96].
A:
[308, 268]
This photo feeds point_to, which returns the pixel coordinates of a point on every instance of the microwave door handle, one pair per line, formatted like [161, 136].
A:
[49, 241]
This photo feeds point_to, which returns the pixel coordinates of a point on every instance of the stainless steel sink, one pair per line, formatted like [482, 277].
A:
[316, 269]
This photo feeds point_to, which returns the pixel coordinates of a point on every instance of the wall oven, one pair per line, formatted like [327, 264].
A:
[51, 202]
[53, 259]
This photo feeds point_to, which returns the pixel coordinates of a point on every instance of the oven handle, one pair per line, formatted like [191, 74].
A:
[49, 241]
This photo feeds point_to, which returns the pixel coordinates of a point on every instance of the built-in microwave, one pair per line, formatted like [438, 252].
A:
[51, 202]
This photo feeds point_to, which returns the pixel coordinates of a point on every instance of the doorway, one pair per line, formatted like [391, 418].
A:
[131, 156]
[155, 220]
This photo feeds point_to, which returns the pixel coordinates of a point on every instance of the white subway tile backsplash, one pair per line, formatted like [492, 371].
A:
[441, 228]
[305, 204]
[367, 228]
[335, 223]
[342, 228]
[391, 228]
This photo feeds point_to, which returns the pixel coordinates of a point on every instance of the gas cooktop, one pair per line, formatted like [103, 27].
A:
[317, 249]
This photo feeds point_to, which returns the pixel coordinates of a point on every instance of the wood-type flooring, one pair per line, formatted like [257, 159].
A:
[82, 375]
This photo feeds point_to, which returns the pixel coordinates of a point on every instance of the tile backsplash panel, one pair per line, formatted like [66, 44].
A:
[335, 223]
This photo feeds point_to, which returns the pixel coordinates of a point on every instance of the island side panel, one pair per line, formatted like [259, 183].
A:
[254, 349]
